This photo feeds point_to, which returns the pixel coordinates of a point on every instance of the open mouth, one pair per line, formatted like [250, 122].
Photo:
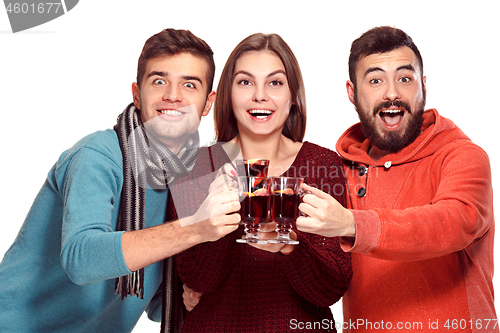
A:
[392, 118]
[260, 114]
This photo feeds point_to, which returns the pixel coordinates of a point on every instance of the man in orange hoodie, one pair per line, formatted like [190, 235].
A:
[420, 222]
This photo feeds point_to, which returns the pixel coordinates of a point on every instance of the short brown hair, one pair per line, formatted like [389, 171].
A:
[380, 40]
[226, 127]
[172, 42]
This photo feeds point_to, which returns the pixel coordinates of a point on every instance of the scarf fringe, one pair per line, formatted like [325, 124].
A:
[130, 284]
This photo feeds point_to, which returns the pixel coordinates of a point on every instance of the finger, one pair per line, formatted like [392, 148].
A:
[223, 195]
[226, 229]
[218, 183]
[216, 212]
[231, 183]
[287, 249]
[191, 292]
[226, 176]
[188, 305]
[304, 223]
[269, 247]
[268, 227]
[315, 191]
[190, 297]
[233, 220]
[314, 201]
[268, 235]
[186, 288]
[307, 209]
[226, 208]
[230, 170]
[227, 171]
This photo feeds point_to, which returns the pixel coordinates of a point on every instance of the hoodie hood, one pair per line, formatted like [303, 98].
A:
[436, 131]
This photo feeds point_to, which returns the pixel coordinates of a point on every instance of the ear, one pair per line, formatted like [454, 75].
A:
[208, 103]
[350, 90]
[136, 94]
[424, 80]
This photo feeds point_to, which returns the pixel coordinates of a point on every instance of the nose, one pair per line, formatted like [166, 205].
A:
[260, 94]
[172, 93]
[392, 92]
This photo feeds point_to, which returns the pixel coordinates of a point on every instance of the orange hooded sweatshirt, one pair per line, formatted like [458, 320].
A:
[422, 257]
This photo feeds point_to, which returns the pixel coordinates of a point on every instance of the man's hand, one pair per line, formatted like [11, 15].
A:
[190, 297]
[218, 214]
[325, 215]
[216, 218]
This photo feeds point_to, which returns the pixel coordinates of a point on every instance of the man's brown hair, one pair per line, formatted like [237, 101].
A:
[171, 42]
[380, 40]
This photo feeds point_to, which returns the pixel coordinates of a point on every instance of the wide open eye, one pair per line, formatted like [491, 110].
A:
[244, 82]
[405, 79]
[276, 83]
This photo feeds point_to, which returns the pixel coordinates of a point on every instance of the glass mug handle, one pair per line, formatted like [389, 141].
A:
[302, 193]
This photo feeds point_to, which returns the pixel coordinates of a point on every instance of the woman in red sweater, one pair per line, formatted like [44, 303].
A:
[260, 107]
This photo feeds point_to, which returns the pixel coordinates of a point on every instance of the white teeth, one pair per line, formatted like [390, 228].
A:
[391, 111]
[173, 113]
[260, 113]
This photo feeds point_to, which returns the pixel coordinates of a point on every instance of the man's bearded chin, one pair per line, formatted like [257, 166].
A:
[392, 141]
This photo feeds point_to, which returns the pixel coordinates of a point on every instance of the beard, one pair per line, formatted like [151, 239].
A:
[392, 141]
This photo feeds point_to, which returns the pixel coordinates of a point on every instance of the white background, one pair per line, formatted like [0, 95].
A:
[72, 76]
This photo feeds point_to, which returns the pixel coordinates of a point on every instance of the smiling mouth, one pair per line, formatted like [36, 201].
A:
[260, 114]
[172, 113]
[392, 117]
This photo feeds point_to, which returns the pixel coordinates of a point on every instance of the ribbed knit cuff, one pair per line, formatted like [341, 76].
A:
[368, 229]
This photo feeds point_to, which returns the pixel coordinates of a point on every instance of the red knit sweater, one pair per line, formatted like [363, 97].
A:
[250, 290]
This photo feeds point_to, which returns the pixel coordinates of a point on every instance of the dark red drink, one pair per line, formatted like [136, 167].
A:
[285, 207]
[254, 209]
[284, 210]
[254, 201]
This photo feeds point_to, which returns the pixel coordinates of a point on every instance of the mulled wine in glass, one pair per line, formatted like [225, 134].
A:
[254, 199]
[286, 192]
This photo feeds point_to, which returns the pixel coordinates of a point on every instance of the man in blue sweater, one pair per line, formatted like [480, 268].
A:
[95, 233]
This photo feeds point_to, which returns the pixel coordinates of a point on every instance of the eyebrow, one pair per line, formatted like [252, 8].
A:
[378, 69]
[184, 77]
[279, 71]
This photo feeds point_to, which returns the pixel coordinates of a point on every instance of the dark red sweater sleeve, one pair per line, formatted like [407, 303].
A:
[204, 266]
[318, 269]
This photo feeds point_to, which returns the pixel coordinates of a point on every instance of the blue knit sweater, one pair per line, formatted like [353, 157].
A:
[59, 274]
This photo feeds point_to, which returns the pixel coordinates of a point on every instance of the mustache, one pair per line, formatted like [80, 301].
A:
[389, 104]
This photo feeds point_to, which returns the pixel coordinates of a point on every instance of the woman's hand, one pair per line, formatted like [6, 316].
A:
[268, 231]
[190, 297]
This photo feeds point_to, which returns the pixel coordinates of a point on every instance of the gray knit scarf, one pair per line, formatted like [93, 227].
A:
[145, 161]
